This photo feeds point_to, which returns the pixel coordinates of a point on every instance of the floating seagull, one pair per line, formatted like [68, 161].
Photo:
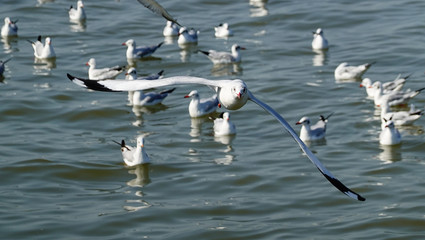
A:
[187, 36]
[201, 107]
[232, 95]
[347, 72]
[43, 52]
[103, 73]
[133, 156]
[150, 98]
[131, 74]
[223, 126]
[392, 98]
[225, 57]
[223, 31]
[77, 14]
[2, 65]
[395, 85]
[319, 41]
[158, 9]
[139, 52]
[389, 134]
[171, 29]
[400, 118]
[9, 29]
[313, 132]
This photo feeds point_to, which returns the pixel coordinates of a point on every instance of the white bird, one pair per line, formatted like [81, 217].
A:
[347, 72]
[9, 29]
[393, 98]
[45, 51]
[225, 57]
[131, 74]
[138, 52]
[201, 107]
[133, 156]
[2, 65]
[232, 95]
[223, 30]
[400, 118]
[395, 85]
[223, 126]
[150, 98]
[77, 14]
[158, 9]
[171, 29]
[319, 41]
[103, 73]
[314, 132]
[389, 134]
[187, 36]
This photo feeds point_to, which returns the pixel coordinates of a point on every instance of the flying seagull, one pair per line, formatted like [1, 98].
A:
[232, 95]
[158, 9]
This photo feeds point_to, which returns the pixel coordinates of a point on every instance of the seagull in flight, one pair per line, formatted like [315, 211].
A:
[158, 9]
[232, 95]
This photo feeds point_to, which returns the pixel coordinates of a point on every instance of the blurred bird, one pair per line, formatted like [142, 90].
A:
[134, 52]
[389, 134]
[225, 57]
[77, 14]
[347, 72]
[133, 156]
[223, 30]
[41, 51]
[319, 41]
[9, 29]
[103, 73]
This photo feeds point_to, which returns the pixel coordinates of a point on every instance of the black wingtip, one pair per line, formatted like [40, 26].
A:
[341, 187]
[168, 91]
[204, 52]
[161, 72]
[91, 84]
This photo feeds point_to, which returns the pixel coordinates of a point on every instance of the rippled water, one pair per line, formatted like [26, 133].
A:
[62, 176]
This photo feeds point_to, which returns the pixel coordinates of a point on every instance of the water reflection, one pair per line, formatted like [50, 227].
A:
[140, 110]
[258, 8]
[187, 50]
[78, 25]
[7, 43]
[43, 67]
[226, 69]
[390, 154]
[142, 179]
[196, 128]
[320, 57]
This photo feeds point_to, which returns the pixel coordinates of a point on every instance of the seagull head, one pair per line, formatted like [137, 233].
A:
[80, 4]
[131, 74]
[129, 42]
[303, 120]
[91, 62]
[366, 82]
[192, 94]
[140, 141]
[48, 41]
[233, 95]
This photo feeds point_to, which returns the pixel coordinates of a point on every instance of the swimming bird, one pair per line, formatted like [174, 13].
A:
[158, 9]
[9, 29]
[138, 52]
[223, 126]
[389, 134]
[171, 29]
[2, 65]
[133, 156]
[77, 14]
[232, 95]
[400, 118]
[150, 98]
[103, 73]
[395, 85]
[131, 74]
[41, 51]
[200, 107]
[319, 41]
[393, 98]
[347, 72]
[187, 36]
[225, 57]
[313, 132]
[223, 30]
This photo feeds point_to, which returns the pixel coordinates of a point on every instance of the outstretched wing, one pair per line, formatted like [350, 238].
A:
[135, 85]
[158, 9]
[328, 175]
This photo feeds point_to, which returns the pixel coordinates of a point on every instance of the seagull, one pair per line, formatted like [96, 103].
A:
[232, 95]
[133, 156]
[223, 31]
[392, 98]
[150, 98]
[400, 118]
[9, 29]
[200, 107]
[389, 134]
[223, 126]
[187, 36]
[139, 52]
[347, 72]
[2, 65]
[131, 74]
[171, 29]
[103, 73]
[319, 41]
[395, 85]
[225, 57]
[77, 14]
[313, 132]
[43, 52]
[158, 9]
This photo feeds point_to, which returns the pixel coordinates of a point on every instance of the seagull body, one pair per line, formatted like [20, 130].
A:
[45, 51]
[395, 85]
[223, 126]
[171, 29]
[225, 57]
[138, 52]
[232, 95]
[103, 73]
[9, 29]
[223, 31]
[2, 65]
[77, 14]
[133, 156]
[319, 41]
[393, 98]
[187, 36]
[400, 118]
[131, 74]
[389, 134]
[201, 107]
[314, 132]
[347, 72]
[150, 98]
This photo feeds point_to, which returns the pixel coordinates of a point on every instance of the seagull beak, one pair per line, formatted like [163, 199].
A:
[242, 48]
[239, 95]
[187, 96]
[87, 64]
[361, 85]
[297, 123]
[123, 44]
